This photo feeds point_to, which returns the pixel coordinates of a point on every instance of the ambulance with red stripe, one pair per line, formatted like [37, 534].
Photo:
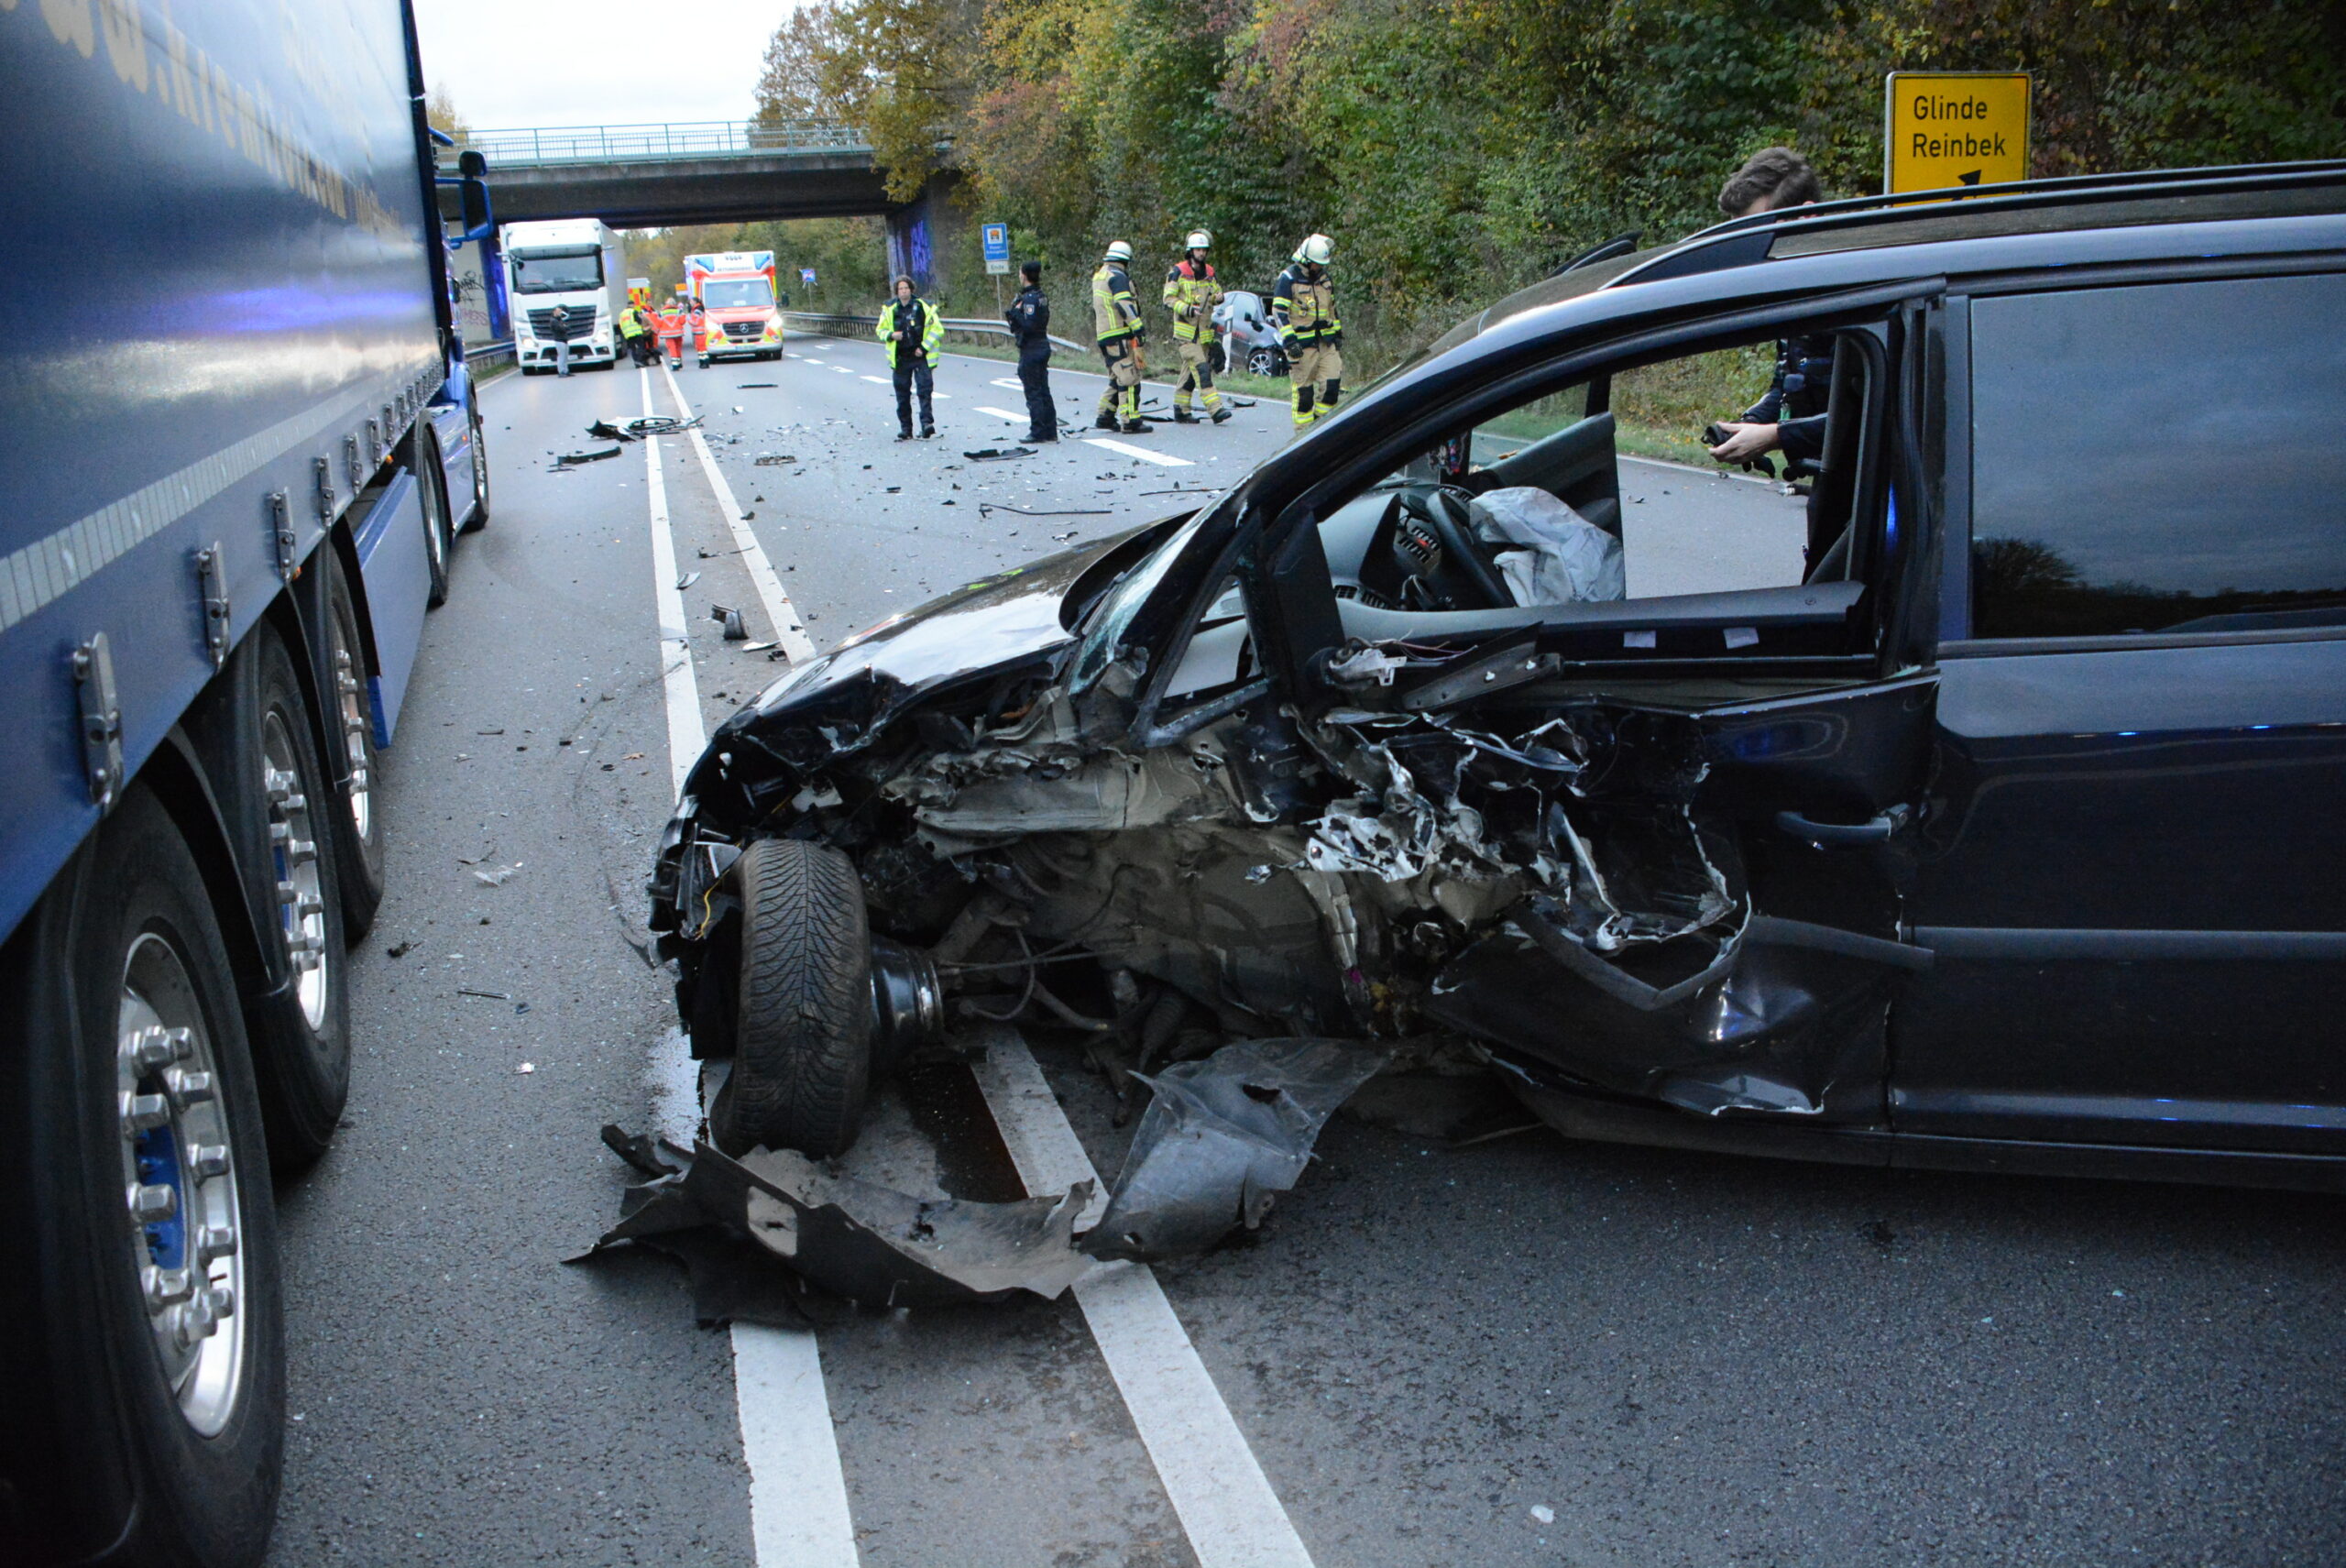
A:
[737, 288]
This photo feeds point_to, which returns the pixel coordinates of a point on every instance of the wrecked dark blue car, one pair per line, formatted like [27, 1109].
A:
[1989, 818]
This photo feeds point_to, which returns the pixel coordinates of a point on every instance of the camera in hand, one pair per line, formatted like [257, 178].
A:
[1716, 434]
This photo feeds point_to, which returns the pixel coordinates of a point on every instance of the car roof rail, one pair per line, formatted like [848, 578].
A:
[1743, 241]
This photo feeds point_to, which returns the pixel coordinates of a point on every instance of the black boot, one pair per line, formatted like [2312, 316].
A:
[1105, 422]
[928, 432]
[1135, 427]
[905, 433]
[1221, 416]
[1183, 416]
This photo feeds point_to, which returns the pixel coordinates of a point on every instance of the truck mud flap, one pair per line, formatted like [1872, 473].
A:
[397, 571]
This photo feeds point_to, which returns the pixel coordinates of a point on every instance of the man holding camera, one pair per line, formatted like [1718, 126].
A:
[1791, 417]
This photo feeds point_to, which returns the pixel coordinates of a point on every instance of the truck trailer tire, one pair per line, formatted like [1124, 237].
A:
[479, 518]
[147, 1374]
[358, 825]
[439, 537]
[300, 1039]
[802, 1061]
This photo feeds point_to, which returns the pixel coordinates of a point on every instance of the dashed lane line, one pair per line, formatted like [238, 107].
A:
[1225, 1503]
[1001, 413]
[879, 380]
[798, 1512]
[788, 629]
[1129, 450]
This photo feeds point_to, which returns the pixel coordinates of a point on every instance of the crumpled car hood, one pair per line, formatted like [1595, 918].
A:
[994, 621]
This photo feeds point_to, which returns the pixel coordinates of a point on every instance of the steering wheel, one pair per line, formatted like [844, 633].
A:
[1444, 565]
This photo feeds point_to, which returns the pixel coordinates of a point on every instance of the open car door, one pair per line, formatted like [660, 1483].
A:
[1656, 846]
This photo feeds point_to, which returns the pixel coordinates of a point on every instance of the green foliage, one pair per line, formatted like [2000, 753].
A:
[1456, 149]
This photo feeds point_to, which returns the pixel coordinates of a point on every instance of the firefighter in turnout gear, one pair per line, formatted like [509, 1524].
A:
[1116, 322]
[1303, 307]
[1191, 293]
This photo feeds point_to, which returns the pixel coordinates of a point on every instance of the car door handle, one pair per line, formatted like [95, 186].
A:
[1872, 832]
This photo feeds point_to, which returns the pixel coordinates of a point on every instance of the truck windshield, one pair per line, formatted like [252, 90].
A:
[737, 293]
[565, 271]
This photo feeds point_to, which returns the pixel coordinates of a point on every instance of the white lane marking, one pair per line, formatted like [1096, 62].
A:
[1002, 414]
[842, 370]
[1129, 450]
[788, 630]
[1006, 381]
[812, 360]
[1226, 1505]
[798, 1513]
[684, 736]
[879, 380]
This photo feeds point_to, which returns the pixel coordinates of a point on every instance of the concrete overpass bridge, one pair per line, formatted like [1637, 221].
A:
[656, 176]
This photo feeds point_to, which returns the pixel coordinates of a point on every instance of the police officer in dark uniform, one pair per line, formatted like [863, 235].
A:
[1791, 417]
[1029, 316]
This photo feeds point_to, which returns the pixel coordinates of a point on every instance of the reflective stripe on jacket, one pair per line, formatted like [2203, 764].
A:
[1115, 314]
[1304, 308]
[919, 316]
[1191, 296]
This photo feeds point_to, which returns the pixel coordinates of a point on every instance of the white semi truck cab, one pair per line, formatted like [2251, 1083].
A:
[572, 262]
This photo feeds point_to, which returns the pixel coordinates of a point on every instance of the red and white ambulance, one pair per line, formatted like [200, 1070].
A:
[736, 287]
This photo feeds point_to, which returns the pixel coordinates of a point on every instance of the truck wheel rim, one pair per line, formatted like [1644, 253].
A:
[180, 1181]
[293, 856]
[350, 708]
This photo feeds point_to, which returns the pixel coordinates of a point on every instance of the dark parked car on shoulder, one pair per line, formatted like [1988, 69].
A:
[1996, 818]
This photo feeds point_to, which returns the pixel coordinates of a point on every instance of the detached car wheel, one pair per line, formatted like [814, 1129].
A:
[802, 1062]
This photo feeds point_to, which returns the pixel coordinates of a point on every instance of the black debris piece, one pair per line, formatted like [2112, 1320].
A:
[608, 431]
[687, 580]
[569, 459]
[1221, 1136]
[869, 1243]
[998, 453]
[985, 507]
[735, 629]
[749, 386]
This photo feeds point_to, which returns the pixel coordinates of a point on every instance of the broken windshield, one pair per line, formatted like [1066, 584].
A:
[1104, 632]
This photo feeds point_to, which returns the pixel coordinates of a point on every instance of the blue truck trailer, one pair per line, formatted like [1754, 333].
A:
[237, 445]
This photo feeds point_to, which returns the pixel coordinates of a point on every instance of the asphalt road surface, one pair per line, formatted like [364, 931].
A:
[1527, 1351]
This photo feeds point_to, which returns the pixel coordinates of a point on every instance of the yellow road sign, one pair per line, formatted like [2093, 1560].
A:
[1942, 129]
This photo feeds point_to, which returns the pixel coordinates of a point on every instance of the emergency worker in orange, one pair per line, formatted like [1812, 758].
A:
[670, 324]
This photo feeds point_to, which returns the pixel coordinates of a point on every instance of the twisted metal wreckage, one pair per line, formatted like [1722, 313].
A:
[1440, 870]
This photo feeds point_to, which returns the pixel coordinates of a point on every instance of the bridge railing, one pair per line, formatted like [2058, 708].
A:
[701, 138]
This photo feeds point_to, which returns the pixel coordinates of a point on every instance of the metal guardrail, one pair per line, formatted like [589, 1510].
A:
[699, 138]
[490, 357]
[863, 326]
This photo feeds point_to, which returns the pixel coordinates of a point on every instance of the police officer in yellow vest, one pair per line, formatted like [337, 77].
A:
[1191, 292]
[1303, 307]
[1116, 322]
[634, 333]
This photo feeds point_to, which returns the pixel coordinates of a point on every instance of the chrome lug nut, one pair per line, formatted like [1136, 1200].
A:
[144, 1113]
[188, 1088]
[300, 851]
[152, 1049]
[205, 1161]
[223, 1300]
[166, 1286]
[215, 1242]
[151, 1204]
[277, 782]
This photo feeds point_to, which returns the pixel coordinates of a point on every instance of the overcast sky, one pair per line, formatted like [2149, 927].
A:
[511, 64]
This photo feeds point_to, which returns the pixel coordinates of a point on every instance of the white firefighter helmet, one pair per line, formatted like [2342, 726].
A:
[1315, 249]
[1198, 240]
[1120, 250]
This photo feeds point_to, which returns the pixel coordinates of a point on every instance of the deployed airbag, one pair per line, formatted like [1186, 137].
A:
[1548, 552]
